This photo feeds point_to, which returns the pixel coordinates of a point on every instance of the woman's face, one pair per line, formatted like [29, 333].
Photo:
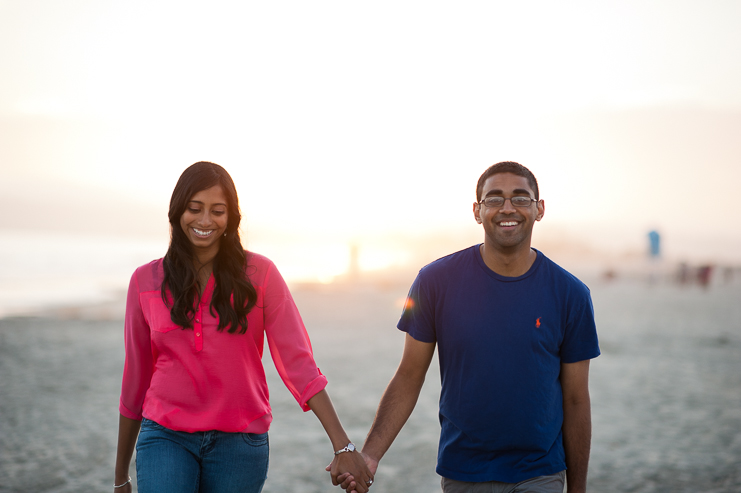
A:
[205, 218]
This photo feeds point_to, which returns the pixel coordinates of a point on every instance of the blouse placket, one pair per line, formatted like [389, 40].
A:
[202, 307]
[198, 328]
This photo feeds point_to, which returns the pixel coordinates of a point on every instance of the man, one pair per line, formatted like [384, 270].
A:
[515, 333]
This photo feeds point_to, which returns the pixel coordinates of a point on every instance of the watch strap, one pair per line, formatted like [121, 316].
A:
[350, 447]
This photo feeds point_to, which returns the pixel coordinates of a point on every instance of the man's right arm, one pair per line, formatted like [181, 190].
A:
[399, 399]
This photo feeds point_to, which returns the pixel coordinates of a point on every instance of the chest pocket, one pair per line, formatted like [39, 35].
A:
[159, 316]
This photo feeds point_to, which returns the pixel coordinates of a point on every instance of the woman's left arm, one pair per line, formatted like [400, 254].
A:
[345, 462]
[291, 351]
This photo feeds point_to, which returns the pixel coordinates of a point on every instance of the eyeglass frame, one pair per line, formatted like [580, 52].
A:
[482, 201]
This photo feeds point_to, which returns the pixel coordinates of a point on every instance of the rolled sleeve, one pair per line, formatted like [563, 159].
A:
[314, 387]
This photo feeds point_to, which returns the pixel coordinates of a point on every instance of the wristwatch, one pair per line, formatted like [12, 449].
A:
[349, 448]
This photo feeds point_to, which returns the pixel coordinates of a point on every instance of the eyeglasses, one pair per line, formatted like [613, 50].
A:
[497, 201]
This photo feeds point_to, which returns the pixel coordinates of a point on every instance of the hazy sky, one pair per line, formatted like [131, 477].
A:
[346, 121]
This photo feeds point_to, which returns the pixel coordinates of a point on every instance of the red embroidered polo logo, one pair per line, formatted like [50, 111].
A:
[537, 323]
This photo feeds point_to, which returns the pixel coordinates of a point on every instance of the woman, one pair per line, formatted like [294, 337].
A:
[194, 388]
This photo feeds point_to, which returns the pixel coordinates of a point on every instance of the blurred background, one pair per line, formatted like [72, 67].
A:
[361, 127]
[355, 133]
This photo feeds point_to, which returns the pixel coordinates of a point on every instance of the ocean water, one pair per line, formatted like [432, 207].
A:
[48, 270]
[666, 394]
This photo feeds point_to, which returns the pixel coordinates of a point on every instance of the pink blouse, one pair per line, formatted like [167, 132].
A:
[202, 379]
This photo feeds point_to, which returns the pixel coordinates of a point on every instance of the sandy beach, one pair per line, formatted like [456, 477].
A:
[666, 393]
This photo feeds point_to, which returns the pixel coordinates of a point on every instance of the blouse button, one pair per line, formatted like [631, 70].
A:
[198, 334]
[198, 320]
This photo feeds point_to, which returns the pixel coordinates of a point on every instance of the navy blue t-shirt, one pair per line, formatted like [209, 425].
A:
[501, 341]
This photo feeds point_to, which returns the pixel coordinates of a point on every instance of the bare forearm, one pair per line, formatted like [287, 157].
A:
[577, 436]
[128, 431]
[396, 406]
[322, 406]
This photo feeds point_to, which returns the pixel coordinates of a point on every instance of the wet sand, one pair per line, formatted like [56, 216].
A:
[666, 394]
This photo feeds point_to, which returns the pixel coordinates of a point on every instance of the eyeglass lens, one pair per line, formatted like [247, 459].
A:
[515, 201]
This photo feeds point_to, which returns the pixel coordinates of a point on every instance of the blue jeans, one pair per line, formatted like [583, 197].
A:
[170, 461]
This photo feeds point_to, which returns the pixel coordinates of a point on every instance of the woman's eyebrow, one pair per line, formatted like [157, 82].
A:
[199, 202]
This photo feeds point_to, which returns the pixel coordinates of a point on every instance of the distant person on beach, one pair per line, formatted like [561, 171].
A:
[514, 334]
[194, 389]
[654, 256]
[654, 244]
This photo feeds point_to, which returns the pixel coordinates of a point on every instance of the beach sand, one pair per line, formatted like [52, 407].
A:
[666, 393]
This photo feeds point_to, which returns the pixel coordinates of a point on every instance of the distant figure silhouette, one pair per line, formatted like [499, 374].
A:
[703, 275]
[683, 273]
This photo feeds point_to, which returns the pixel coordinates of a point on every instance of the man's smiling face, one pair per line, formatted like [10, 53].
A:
[508, 227]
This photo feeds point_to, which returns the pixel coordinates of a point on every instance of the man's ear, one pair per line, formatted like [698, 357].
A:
[541, 210]
[477, 212]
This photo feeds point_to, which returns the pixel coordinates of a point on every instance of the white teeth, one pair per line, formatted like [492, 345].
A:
[203, 233]
[509, 223]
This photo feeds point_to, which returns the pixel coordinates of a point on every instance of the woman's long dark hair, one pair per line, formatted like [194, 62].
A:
[181, 275]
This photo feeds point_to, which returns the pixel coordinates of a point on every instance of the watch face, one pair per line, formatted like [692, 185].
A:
[349, 448]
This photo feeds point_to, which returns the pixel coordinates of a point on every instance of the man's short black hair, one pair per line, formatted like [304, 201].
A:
[508, 167]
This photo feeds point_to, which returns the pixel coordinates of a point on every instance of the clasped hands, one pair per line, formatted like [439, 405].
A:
[353, 471]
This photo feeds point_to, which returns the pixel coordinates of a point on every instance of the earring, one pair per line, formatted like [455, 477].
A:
[224, 233]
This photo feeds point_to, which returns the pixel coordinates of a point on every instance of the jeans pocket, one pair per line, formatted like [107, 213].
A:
[255, 439]
[148, 424]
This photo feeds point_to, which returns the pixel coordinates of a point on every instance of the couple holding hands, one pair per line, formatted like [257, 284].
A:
[514, 333]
